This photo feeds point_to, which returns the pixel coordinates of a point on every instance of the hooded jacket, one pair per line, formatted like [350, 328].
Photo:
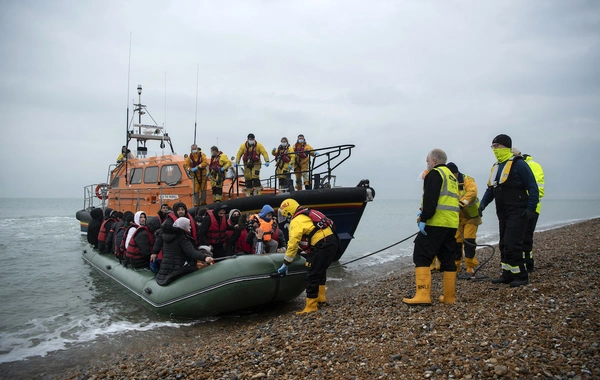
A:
[179, 255]
[140, 234]
[94, 226]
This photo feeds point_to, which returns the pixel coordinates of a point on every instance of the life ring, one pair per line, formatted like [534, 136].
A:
[102, 191]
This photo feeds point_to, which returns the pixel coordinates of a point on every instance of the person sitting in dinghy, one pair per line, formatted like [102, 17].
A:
[139, 243]
[179, 254]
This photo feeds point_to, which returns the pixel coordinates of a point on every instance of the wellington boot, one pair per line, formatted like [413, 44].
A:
[311, 305]
[457, 263]
[521, 278]
[423, 285]
[259, 192]
[449, 288]
[249, 193]
[435, 264]
[471, 264]
[506, 278]
[321, 298]
[298, 187]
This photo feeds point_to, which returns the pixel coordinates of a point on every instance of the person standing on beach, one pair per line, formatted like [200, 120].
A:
[437, 221]
[538, 173]
[469, 219]
[251, 150]
[513, 187]
[197, 163]
[313, 233]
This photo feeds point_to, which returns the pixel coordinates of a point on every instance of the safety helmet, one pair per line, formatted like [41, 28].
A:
[288, 208]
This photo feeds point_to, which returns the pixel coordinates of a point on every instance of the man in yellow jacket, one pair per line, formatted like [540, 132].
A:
[197, 165]
[469, 219]
[437, 222]
[250, 151]
[284, 155]
[538, 173]
[302, 153]
[218, 166]
[313, 233]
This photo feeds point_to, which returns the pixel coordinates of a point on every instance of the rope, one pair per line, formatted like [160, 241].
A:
[371, 254]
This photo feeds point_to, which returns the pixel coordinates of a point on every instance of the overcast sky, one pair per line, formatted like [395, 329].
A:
[396, 78]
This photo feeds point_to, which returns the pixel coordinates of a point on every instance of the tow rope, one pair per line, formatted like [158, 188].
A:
[371, 254]
[474, 277]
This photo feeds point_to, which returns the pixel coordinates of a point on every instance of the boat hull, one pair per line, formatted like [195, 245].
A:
[234, 284]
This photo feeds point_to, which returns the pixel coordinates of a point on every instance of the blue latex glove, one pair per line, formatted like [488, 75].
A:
[283, 270]
[267, 164]
[235, 165]
[208, 175]
[316, 153]
[194, 169]
[422, 227]
[291, 167]
[419, 213]
[274, 149]
[221, 169]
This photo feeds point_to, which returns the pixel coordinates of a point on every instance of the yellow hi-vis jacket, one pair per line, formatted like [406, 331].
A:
[538, 173]
[446, 212]
[468, 197]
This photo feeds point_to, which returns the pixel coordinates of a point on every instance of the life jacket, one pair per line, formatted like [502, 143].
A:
[251, 154]
[214, 162]
[195, 162]
[217, 232]
[194, 233]
[133, 251]
[299, 149]
[503, 176]
[269, 228]
[472, 209]
[282, 154]
[103, 234]
[320, 222]
[241, 245]
[119, 247]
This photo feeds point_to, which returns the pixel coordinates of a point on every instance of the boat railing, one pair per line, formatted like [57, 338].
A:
[91, 199]
[321, 167]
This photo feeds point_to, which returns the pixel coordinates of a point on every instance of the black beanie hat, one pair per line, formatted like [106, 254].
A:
[251, 135]
[503, 139]
[452, 166]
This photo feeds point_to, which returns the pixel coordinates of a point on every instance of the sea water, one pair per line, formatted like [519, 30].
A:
[53, 300]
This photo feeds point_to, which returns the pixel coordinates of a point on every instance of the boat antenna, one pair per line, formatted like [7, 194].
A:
[196, 119]
[162, 144]
[127, 121]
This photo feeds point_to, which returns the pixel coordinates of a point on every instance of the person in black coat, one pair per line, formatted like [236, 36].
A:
[94, 226]
[179, 254]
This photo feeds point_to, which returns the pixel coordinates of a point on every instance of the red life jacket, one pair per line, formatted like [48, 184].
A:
[192, 224]
[133, 251]
[282, 154]
[103, 234]
[194, 162]
[320, 222]
[241, 245]
[214, 162]
[217, 232]
[251, 154]
[299, 150]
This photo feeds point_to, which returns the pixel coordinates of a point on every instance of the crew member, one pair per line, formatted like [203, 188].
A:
[313, 233]
[251, 150]
[283, 157]
[513, 187]
[219, 165]
[197, 163]
[469, 219]
[302, 153]
[437, 221]
[538, 173]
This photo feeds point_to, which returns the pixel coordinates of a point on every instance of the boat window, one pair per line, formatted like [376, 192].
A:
[151, 174]
[136, 176]
[170, 174]
[115, 182]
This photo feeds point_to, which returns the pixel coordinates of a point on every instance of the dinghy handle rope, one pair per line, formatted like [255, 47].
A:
[371, 254]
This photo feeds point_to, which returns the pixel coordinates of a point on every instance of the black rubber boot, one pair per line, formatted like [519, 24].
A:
[506, 278]
[521, 278]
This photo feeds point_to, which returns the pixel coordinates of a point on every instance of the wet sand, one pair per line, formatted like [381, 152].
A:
[549, 329]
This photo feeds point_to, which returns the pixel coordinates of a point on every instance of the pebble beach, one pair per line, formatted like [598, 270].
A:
[546, 330]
